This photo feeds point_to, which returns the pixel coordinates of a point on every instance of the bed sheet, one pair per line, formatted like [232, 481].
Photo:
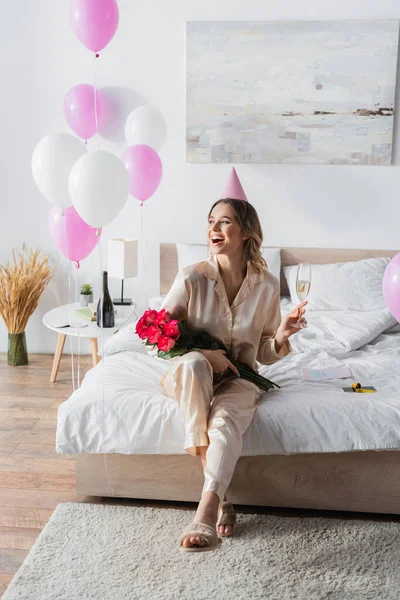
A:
[130, 414]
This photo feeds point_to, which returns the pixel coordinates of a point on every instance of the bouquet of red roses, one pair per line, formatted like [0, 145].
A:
[173, 338]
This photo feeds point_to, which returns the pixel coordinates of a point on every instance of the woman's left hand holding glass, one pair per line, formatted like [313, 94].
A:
[286, 328]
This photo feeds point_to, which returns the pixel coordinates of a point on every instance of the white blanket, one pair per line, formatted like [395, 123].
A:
[129, 414]
[338, 331]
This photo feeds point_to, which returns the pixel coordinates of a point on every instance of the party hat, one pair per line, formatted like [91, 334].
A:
[233, 188]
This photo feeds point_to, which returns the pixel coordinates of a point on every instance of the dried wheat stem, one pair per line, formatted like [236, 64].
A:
[21, 285]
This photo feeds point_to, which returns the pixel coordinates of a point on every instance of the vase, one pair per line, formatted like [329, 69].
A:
[86, 299]
[17, 352]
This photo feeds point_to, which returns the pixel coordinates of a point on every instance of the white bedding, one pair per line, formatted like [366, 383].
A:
[131, 415]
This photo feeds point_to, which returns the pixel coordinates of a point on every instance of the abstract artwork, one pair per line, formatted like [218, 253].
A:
[317, 92]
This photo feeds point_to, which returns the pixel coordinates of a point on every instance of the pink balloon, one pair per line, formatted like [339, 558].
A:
[391, 286]
[94, 22]
[84, 112]
[145, 170]
[74, 238]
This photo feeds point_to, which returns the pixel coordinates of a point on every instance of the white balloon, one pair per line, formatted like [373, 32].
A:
[99, 187]
[52, 161]
[146, 125]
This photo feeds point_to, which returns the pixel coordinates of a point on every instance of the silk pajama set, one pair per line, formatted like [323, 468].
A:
[217, 409]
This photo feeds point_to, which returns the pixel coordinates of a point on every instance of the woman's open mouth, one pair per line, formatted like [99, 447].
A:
[217, 240]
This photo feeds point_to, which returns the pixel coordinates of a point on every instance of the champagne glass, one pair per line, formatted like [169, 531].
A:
[303, 284]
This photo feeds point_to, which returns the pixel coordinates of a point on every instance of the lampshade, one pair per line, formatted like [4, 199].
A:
[122, 258]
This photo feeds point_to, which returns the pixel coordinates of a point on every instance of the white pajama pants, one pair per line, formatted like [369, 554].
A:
[216, 414]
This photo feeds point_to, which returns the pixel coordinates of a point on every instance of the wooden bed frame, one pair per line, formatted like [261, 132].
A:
[362, 481]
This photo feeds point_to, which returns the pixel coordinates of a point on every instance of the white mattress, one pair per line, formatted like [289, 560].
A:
[131, 415]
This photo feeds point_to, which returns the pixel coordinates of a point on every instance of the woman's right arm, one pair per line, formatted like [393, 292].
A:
[177, 300]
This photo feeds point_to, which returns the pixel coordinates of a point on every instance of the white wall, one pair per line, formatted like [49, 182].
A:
[299, 205]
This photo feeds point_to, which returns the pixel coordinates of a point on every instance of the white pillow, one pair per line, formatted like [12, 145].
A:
[394, 329]
[125, 339]
[155, 303]
[190, 254]
[272, 257]
[352, 285]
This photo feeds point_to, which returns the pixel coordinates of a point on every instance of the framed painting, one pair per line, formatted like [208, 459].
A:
[291, 92]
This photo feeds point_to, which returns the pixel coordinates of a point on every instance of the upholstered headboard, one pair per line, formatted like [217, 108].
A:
[289, 256]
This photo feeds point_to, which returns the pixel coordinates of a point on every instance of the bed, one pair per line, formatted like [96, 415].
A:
[310, 444]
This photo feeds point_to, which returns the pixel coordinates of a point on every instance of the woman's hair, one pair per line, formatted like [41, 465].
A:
[247, 217]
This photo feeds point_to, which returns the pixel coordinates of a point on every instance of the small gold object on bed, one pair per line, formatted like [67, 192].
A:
[357, 388]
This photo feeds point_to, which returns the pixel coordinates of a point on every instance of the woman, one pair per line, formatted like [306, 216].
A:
[235, 298]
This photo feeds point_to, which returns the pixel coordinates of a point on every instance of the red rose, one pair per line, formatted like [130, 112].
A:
[162, 317]
[165, 343]
[149, 316]
[139, 324]
[154, 333]
[171, 329]
[142, 331]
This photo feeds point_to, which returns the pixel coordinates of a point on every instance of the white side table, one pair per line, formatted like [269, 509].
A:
[64, 315]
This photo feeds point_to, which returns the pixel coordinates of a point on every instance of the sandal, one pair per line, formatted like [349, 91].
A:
[205, 531]
[227, 517]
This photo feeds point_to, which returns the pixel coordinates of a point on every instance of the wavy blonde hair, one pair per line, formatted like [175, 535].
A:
[247, 217]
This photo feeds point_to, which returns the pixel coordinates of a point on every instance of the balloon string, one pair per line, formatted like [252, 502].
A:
[103, 362]
[145, 240]
[69, 299]
[72, 361]
[142, 238]
[95, 103]
[102, 297]
[79, 334]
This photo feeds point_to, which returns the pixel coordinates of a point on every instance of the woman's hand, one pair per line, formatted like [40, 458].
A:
[220, 364]
[285, 329]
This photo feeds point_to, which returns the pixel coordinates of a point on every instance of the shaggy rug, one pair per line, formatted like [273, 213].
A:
[108, 552]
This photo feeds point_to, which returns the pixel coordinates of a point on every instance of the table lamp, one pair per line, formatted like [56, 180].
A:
[122, 262]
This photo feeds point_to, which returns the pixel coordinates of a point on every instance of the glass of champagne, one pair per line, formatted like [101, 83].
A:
[303, 284]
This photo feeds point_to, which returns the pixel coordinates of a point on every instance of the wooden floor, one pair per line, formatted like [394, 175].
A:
[34, 479]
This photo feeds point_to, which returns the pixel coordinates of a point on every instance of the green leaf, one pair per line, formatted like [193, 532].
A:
[86, 289]
[171, 353]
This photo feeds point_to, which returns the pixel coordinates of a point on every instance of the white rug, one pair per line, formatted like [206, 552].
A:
[103, 552]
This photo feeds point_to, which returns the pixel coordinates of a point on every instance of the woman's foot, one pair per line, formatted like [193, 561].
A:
[227, 519]
[207, 512]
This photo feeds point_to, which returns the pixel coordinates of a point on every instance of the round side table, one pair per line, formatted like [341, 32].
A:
[65, 322]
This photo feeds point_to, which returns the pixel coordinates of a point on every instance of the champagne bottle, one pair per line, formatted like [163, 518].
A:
[105, 306]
